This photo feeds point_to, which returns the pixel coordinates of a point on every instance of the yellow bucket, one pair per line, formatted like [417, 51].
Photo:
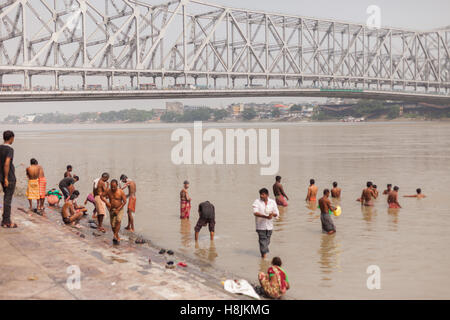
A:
[338, 211]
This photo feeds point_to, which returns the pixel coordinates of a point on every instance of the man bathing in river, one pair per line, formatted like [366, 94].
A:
[419, 195]
[392, 199]
[280, 196]
[368, 195]
[311, 196]
[117, 200]
[325, 208]
[336, 192]
[131, 185]
[100, 188]
[69, 213]
[33, 184]
[389, 189]
[264, 210]
[185, 202]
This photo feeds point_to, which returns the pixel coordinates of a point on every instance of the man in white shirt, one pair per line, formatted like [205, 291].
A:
[264, 210]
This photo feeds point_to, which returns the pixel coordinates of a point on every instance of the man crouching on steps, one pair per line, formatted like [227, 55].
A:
[117, 200]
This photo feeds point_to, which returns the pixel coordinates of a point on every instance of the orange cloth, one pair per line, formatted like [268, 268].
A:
[42, 187]
[33, 190]
[132, 204]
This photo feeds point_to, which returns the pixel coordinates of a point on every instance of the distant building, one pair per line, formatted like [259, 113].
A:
[237, 109]
[192, 108]
[176, 107]
[28, 118]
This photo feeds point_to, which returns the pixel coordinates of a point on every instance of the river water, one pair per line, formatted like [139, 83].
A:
[409, 246]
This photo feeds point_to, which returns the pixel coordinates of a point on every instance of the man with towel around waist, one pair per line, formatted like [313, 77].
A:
[117, 200]
[33, 184]
[100, 188]
[131, 185]
[278, 191]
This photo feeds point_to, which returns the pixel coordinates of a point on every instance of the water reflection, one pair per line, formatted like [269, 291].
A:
[329, 253]
[207, 252]
[368, 212]
[393, 218]
[185, 232]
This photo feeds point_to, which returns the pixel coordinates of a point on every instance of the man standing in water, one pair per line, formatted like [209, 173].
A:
[100, 188]
[368, 195]
[336, 192]
[131, 200]
[325, 218]
[207, 216]
[185, 202]
[264, 210]
[33, 184]
[389, 189]
[311, 196]
[278, 191]
[392, 199]
[7, 177]
[117, 200]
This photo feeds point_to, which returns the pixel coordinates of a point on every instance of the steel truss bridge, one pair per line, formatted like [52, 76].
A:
[113, 49]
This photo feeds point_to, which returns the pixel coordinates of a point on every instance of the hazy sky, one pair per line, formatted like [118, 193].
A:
[411, 14]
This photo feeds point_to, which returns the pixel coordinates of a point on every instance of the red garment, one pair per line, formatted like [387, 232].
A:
[281, 201]
[281, 275]
[185, 209]
[393, 205]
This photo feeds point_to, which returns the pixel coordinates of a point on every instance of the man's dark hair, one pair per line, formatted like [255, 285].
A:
[264, 191]
[105, 175]
[69, 167]
[76, 178]
[114, 181]
[7, 135]
[276, 261]
[278, 178]
[419, 191]
[375, 186]
[335, 184]
[369, 184]
[312, 181]
[33, 161]
[389, 185]
[326, 191]
[75, 195]
[396, 188]
[123, 177]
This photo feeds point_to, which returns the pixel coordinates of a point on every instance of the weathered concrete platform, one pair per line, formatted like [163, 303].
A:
[35, 257]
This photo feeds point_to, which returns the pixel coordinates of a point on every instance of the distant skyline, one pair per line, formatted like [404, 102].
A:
[412, 14]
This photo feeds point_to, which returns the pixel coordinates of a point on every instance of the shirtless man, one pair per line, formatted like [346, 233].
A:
[100, 188]
[42, 188]
[33, 184]
[375, 191]
[336, 192]
[367, 195]
[131, 185]
[280, 196]
[392, 199]
[68, 173]
[389, 189]
[69, 214]
[117, 200]
[419, 195]
[325, 207]
[311, 196]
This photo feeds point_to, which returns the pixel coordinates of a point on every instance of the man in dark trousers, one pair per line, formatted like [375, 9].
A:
[207, 216]
[7, 177]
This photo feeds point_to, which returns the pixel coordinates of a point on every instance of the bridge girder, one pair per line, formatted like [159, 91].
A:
[199, 42]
